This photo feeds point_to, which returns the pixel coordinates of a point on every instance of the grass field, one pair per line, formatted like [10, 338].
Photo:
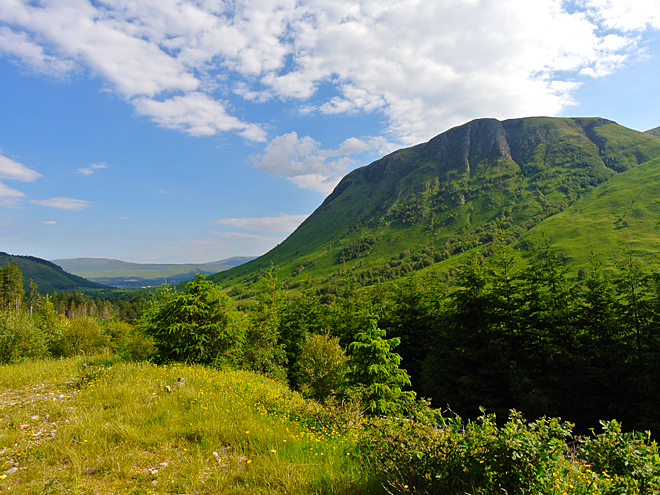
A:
[92, 426]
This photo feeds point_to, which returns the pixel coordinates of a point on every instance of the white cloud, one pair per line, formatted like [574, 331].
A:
[91, 169]
[425, 66]
[198, 115]
[50, 222]
[63, 203]
[304, 162]
[281, 223]
[11, 170]
[626, 15]
[8, 196]
[31, 54]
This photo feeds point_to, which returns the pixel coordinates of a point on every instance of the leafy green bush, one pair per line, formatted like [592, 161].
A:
[322, 366]
[197, 326]
[83, 335]
[20, 338]
[50, 322]
[128, 342]
[453, 457]
[630, 460]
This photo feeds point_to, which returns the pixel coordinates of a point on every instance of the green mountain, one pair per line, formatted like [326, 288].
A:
[655, 132]
[420, 207]
[48, 276]
[118, 273]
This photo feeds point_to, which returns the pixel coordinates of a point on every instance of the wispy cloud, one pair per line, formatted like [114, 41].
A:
[50, 222]
[9, 197]
[63, 203]
[91, 169]
[305, 163]
[281, 223]
[11, 170]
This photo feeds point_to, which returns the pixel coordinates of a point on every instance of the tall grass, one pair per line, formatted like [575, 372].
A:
[96, 426]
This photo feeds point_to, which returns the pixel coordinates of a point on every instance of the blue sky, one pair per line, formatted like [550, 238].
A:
[178, 131]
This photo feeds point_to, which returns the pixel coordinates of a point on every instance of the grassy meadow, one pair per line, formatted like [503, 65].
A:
[97, 426]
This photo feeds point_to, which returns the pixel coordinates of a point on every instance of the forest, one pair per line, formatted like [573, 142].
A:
[507, 336]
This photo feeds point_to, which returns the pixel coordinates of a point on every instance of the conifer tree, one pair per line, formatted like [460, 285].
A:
[12, 286]
[375, 367]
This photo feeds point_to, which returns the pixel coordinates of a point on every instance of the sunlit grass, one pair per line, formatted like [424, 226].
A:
[110, 427]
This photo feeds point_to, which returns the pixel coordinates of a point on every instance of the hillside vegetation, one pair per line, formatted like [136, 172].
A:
[421, 206]
[215, 414]
[48, 276]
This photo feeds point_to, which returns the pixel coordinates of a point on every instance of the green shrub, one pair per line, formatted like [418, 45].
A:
[128, 342]
[453, 457]
[51, 323]
[629, 459]
[20, 338]
[83, 335]
[322, 366]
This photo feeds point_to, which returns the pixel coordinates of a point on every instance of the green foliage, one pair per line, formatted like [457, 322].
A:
[375, 367]
[322, 365]
[83, 335]
[128, 343]
[11, 286]
[450, 456]
[50, 323]
[197, 326]
[48, 276]
[263, 352]
[20, 338]
[630, 460]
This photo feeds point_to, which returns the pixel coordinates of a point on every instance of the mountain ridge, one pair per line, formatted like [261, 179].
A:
[47, 275]
[126, 274]
[455, 192]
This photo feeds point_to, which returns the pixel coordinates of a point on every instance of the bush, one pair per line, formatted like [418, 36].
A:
[83, 335]
[20, 338]
[452, 457]
[128, 343]
[322, 366]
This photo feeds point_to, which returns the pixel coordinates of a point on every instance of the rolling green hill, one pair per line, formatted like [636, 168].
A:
[655, 132]
[420, 206]
[48, 276]
[118, 273]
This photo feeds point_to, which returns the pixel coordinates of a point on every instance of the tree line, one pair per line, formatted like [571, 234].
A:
[507, 331]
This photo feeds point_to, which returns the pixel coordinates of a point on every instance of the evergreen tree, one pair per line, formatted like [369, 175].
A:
[263, 352]
[12, 286]
[199, 325]
[32, 295]
[375, 367]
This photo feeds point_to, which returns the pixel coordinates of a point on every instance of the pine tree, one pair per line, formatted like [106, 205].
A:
[375, 367]
[12, 286]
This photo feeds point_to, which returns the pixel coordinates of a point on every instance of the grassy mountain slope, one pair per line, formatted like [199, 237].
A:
[421, 205]
[48, 276]
[622, 209]
[124, 274]
[655, 132]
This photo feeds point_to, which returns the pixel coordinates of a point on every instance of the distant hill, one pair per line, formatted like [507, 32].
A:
[655, 132]
[124, 274]
[48, 276]
[421, 207]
